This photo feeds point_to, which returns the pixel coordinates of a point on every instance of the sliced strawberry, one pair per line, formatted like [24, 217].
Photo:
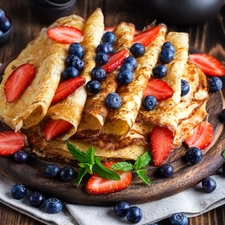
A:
[146, 37]
[159, 89]
[161, 140]
[65, 34]
[55, 128]
[115, 60]
[11, 142]
[202, 136]
[97, 185]
[66, 88]
[208, 64]
[18, 81]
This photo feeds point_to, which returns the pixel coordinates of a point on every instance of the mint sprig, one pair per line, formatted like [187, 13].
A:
[141, 162]
[89, 164]
[223, 154]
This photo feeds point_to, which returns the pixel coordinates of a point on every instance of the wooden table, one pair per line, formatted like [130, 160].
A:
[208, 37]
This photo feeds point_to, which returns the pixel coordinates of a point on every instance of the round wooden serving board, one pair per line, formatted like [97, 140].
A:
[31, 174]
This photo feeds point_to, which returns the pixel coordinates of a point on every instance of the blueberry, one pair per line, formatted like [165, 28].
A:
[208, 184]
[193, 155]
[21, 156]
[36, 199]
[53, 205]
[75, 61]
[52, 170]
[2, 14]
[93, 86]
[125, 77]
[18, 191]
[113, 100]
[104, 47]
[131, 60]
[108, 37]
[110, 47]
[5, 24]
[185, 87]
[160, 71]
[76, 49]
[166, 170]
[134, 214]
[168, 45]
[1, 32]
[126, 66]
[98, 73]
[222, 116]
[149, 102]
[215, 84]
[120, 209]
[178, 219]
[166, 55]
[67, 173]
[137, 49]
[69, 73]
[101, 58]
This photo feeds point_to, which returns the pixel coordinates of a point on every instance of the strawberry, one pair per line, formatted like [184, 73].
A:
[54, 128]
[66, 88]
[159, 89]
[11, 142]
[208, 64]
[97, 185]
[65, 34]
[146, 37]
[202, 136]
[18, 81]
[115, 60]
[161, 140]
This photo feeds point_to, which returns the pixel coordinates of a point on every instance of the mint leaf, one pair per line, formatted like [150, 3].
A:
[77, 154]
[122, 166]
[143, 176]
[87, 166]
[223, 154]
[142, 161]
[80, 175]
[104, 172]
[90, 154]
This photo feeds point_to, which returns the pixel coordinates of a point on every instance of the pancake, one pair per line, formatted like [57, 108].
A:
[72, 107]
[48, 58]
[95, 111]
[120, 121]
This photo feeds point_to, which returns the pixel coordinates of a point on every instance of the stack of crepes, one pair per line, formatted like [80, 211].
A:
[121, 133]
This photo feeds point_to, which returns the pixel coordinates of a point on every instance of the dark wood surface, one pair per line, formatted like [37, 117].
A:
[208, 38]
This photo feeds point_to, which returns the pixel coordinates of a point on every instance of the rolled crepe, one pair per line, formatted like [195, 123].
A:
[48, 57]
[71, 108]
[120, 121]
[95, 111]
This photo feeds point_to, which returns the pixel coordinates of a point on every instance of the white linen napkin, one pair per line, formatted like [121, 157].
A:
[192, 202]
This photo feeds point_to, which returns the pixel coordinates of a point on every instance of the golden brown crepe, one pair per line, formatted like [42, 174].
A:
[72, 107]
[48, 58]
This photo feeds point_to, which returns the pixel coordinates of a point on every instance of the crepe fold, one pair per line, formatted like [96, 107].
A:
[95, 111]
[120, 121]
[72, 107]
[48, 57]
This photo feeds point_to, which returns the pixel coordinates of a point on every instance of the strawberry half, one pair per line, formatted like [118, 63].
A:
[97, 185]
[208, 64]
[161, 140]
[55, 128]
[159, 89]
[202, 136]
[115, 60]
[66, 88]
[146, 37]
[18, 81]
[65, 34]
[11, 142]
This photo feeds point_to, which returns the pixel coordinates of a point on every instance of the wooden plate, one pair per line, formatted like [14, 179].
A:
[31, 174]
